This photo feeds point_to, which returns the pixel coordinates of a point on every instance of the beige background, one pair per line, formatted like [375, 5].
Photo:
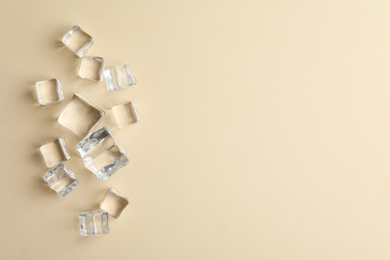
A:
[264, 133]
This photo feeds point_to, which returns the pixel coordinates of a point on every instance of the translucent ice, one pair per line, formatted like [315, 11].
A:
[119, 77]
[61, 180]
[94, 223]
[91, 68]
[55, 152]
[78, 41]
[49, 91]
[80, 116]
[101, 153]
[114, 203]
[125, 114]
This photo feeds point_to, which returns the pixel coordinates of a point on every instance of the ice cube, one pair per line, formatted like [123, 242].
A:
[61, 180]
[49, 91]
[125, 114]
[119, 77]
[80, 116]
[101, 153]
[91, 68]
[55, 152]
[78, 41]
[94, 223]
[114, 203]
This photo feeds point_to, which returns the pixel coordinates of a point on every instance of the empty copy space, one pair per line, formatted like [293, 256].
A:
[265, 131]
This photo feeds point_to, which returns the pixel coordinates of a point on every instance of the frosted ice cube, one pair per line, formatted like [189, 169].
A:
[55, 152]
[125, 114]
[49, 91]
[80, 116]
[119, 77]
[78, 41]
[91, 68]
[114, 203]
[94, 223]
[61, 180]
[101, 153]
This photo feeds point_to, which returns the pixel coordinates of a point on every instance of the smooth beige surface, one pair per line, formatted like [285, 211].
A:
[265, 130]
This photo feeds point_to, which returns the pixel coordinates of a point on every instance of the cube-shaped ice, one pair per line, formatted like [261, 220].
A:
[94, 223]
[125, 114]
[78, 41]
[80, 116]
[61, 180]
[49, 91]
[114, 203]
[119, 77]
[55, 152]
[101, 153]
[91, 68]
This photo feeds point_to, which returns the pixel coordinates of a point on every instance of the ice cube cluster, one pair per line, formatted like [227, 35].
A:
[98, 149]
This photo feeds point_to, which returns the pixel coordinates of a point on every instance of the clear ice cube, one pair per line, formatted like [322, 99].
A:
[61, 180]
[80, 116]
[125, 114]
[55, 152]
[94, 223]
[114, 203]
[91, 68]
[78, 41]
[119, 77]
[49, 91]
[101, 153]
